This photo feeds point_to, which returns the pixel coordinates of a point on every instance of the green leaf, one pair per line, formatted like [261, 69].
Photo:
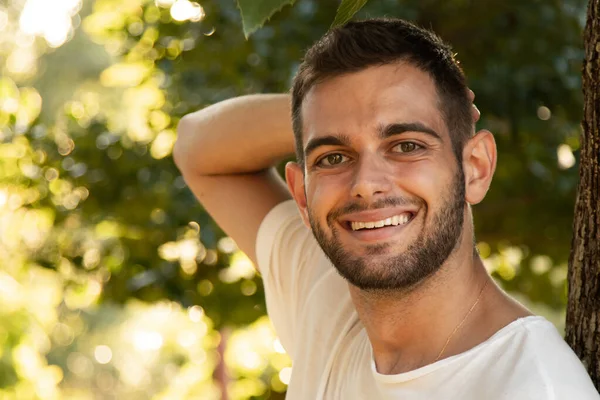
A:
[346, 11]
[256, 12]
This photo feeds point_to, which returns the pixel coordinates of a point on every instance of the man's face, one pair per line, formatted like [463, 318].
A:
[385, 195]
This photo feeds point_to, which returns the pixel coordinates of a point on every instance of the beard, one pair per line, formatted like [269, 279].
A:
[400, 271]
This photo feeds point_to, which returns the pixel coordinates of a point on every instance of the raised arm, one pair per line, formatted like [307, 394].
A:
[226, 154]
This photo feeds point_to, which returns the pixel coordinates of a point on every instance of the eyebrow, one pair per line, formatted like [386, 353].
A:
[329, 140]
[386, 131]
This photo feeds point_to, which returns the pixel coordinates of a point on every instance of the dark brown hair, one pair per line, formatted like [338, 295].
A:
[361, 44]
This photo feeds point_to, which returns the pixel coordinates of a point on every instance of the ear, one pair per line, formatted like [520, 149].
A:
[479, 164]
[294, 177]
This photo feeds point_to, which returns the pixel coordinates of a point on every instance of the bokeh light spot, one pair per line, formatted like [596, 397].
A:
[195, 313]
[544, 113]
[285, 375]
[566, 159]
[103, 354]
[183, 10]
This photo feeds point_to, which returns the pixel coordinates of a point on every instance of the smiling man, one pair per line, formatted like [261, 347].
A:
[372, 279]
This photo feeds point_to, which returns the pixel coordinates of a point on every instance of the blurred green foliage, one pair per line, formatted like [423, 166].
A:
[115, 283]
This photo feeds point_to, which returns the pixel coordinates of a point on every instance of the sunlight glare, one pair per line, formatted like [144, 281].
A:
[51, 20]
[144, 340]
[183, 10]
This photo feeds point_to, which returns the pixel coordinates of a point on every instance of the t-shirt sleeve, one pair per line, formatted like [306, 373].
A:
[281, 241]
[550, 369]
[302, 289]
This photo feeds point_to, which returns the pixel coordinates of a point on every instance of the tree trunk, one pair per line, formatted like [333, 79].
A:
[583, 310]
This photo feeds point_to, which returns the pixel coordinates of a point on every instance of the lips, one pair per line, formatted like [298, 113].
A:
[372, 225]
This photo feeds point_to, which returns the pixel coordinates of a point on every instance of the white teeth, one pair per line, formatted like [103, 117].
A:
[401, 219]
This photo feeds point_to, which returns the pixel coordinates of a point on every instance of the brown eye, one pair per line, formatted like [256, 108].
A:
[331, 160]
[406, 147]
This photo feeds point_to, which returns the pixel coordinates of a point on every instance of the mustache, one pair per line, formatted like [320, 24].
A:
[357, 206]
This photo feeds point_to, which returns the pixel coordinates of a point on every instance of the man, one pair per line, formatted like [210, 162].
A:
[372, 279]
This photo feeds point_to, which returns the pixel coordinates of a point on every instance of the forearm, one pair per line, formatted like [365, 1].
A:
[240, 135]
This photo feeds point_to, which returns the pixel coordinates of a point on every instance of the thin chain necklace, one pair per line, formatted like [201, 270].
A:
[462, 322]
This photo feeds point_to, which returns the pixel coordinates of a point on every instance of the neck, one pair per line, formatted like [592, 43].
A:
[408, 328]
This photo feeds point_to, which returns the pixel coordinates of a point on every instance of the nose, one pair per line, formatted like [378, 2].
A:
[372, 178]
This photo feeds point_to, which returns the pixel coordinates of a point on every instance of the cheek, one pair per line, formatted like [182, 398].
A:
[324, 193]
[425, 179]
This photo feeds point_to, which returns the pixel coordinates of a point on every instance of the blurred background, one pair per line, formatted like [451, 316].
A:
[116, 284]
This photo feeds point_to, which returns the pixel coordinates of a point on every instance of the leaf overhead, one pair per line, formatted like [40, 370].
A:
[256, 12]
[346, 11]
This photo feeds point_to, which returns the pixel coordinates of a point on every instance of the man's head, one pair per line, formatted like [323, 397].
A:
[358, 45]
[384, 135]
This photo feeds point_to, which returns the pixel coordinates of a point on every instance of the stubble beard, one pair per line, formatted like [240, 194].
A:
[421, 259]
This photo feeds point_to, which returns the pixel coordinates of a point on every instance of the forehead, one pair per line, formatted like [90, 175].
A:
[358, 103]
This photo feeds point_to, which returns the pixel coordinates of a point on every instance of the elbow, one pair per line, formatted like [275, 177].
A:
[178, 157]
[184, 126]
[183, 148]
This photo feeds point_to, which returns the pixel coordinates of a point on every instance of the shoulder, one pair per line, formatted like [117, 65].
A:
[307, 301]
[280, 234]
[289, 255]
[543, 366]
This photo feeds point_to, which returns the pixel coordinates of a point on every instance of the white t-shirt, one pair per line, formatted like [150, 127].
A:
[310, 307]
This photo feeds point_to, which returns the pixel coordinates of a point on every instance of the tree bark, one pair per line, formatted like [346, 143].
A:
[583, 310]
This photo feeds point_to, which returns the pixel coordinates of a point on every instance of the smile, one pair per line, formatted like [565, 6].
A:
[378, 225]
[401, 219]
